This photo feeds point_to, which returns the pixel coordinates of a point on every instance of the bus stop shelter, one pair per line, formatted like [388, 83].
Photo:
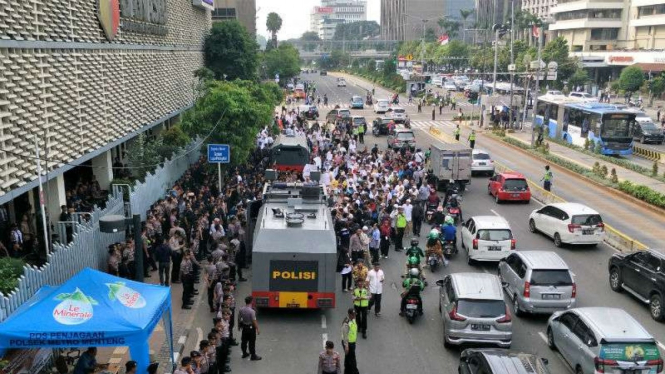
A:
[92, 309]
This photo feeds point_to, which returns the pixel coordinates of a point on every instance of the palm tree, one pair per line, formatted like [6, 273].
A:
[464, 13]
[274, 24]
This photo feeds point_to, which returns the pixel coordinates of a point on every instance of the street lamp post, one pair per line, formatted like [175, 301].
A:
[512, 61]
[496, 57]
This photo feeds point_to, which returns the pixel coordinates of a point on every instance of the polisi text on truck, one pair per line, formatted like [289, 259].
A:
[294, 275]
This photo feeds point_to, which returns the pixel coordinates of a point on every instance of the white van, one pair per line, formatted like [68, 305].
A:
[438, 81]
[487, 238]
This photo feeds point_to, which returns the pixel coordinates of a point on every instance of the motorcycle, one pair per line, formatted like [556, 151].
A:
[429, 213]
[448, 248]
[454, 213]
[407, 123]
[433, 262]
[411, 309]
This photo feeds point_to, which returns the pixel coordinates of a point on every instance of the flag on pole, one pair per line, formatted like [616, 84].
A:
[535, 30]
[443, 39]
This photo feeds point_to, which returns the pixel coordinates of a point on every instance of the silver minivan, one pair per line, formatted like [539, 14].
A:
[537, 282]
[473, 310]
[603, 340]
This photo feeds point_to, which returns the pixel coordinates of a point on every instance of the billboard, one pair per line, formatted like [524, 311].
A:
[324, 9]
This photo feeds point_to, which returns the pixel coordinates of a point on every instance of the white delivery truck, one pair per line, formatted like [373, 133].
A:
[449, 162]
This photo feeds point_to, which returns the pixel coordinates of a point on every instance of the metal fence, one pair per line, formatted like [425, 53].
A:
[156, 184]
[87, 249]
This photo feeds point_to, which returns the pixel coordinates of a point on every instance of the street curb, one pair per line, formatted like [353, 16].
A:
[611, 190]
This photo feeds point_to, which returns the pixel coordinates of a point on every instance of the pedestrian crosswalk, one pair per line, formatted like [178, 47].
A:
[426, 125]
[331, 105]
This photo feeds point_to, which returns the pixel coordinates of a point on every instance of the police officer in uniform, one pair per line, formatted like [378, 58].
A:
[250, 328]
[187, 278]
[472, 139]
[457, 133]
[547, 179]
[349, 338]
[361, 304]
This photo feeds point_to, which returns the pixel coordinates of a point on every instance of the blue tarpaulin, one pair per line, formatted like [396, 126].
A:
[92, 309]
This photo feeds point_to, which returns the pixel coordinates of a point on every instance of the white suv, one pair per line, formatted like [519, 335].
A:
[487, 238]
[568, 223]
[341, 83]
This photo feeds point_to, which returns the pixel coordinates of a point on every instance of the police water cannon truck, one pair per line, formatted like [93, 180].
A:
[294, 252]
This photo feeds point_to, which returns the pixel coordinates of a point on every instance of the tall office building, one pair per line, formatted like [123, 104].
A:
[539, 8]
[82, 83]
[324, 19]
[242, 10]
[491, 12]
[453, 8]
[406, 19]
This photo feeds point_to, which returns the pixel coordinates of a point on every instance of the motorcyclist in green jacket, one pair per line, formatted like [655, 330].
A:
[412, 288]
[414, 250]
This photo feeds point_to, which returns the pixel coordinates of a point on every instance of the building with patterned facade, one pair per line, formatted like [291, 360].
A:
[405, 19]
[83, 77]
[242, 10]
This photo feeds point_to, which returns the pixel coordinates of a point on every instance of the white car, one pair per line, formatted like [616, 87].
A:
[568, 223]
[450, 86]
[438, 81]
[341, 83]
[487, 238]
[482, 162]
[381, 106]
[398, 114]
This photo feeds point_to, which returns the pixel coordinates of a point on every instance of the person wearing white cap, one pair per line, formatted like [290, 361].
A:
[408, 209]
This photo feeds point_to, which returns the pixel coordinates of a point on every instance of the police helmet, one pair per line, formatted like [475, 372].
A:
[414, 273]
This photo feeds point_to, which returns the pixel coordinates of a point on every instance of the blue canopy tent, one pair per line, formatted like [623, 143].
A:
[92, 309]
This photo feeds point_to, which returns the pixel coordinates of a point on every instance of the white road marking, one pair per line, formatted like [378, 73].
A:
[495, 213]
[324, 339]
[182, 339]
[199, 332]
[323, 322]
[542, 336]
[661, 345]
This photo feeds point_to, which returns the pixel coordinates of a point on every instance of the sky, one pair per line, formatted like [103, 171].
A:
[295, 15]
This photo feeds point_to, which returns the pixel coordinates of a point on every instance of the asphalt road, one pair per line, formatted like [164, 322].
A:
[291, 340]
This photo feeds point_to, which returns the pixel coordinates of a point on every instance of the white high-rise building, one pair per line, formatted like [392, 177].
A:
[324, 18]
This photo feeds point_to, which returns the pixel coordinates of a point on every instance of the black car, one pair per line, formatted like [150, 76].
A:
[380, 125]
[642, 274]
[310, 112]
[648, 132]
[323, 72]
[500, 361]
[336, 115]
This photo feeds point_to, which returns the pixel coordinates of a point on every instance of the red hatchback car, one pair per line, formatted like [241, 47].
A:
[509, 186]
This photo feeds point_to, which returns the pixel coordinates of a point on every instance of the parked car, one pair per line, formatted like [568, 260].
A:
[509, 186]
[500, 361]
[438, 81]
[323, 72]
[537, 282]
[401, 138]
[482, 162]
[381, 106]
[487, 238]
[380, 125]
[473, 311]
[648, 132]
[450, 86]
[603, 340]
[568, 223]
[357, 102]
[398, 114]
[335, 115]
[642, 274]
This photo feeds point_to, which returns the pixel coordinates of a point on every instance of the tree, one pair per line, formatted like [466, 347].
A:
[430, 35]
[143, 155]
[389, 68]
[465, 13]
[284, 60]
[230, 50]
[371, 66]
[449, 26]
[233, 113]
[631, 79]
[261, 41]
[274, 24]
[309, 36]
[579, 78]
[557, 50]
[656, 88]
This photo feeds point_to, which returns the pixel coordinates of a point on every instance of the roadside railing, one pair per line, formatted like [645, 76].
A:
[613, 237]
[649, 154]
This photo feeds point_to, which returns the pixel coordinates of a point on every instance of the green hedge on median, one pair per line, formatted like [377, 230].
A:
[640, 192]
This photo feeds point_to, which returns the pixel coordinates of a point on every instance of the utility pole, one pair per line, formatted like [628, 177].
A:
[535, 95]
[41, 198]
[512, 61]
[496, 56]
[422, 49]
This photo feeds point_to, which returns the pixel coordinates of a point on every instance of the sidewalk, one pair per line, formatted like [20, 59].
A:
[182, 320]
[588, 162]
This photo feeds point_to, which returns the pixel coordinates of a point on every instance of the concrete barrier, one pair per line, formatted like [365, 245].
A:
[613, 237]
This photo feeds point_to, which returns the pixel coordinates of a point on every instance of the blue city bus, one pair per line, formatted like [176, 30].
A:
[575, 121]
